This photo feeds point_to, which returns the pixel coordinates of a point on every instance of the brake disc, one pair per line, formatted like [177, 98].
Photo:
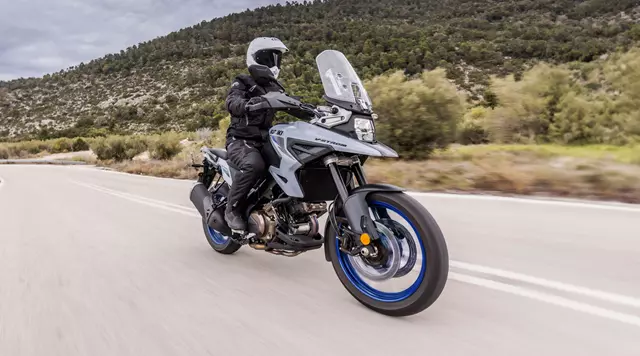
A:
[392, 264]
[408, 248]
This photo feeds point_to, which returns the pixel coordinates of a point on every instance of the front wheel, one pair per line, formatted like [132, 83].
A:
[412, 258]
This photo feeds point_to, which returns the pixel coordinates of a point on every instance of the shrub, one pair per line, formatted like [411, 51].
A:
[527, 106]
[80, 145]
[223, 125]
[204, 134]
[118, 148]
[166, 146]
[471, 130]
[62, 145]
[416, 116]
[4, 152]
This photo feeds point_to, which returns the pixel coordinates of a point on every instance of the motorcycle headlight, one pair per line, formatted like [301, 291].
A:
[365, 130]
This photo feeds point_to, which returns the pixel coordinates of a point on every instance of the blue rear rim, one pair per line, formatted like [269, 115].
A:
[364, 287]
[216, 237]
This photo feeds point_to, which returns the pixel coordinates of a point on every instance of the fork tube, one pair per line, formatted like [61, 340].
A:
[358, 172]
[337, 179]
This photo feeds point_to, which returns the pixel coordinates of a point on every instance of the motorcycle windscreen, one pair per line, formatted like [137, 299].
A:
[340, 80]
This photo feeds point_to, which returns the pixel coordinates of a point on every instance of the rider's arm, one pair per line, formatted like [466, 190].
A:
[237, 99]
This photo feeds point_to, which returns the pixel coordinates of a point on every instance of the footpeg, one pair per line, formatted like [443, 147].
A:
[242, 237]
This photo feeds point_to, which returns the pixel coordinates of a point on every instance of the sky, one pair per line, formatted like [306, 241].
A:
[44, 36]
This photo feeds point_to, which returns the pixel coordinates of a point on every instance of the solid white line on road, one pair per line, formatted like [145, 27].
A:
[524, 292]
[142, 200]
[635, 208]
[609, 297]
[603, 206]
[547, 298]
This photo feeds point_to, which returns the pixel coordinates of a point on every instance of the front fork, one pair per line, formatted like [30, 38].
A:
[355, 206]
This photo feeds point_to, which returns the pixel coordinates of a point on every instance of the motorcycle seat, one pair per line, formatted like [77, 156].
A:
[218, 152]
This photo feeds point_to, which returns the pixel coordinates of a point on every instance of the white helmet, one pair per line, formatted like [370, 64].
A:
[266, 51]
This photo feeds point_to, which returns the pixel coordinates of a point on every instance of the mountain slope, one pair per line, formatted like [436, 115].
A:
[179, 81]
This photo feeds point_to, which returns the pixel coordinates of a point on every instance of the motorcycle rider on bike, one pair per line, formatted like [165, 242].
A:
[249, 129]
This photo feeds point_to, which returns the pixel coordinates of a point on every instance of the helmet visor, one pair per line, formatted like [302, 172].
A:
[269, 57]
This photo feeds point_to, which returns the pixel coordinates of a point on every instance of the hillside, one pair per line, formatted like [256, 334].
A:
[178, 81]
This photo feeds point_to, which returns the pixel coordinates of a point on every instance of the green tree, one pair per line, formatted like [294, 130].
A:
[417, 116]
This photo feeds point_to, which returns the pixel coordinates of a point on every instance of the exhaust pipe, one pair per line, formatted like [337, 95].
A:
[203, 201]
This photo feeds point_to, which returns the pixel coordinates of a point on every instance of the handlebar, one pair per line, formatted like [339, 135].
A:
[262, 106]
[283, 102]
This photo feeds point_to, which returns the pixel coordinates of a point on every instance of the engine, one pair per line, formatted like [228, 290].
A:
[301, 210]
[303, 217]
[263, 224]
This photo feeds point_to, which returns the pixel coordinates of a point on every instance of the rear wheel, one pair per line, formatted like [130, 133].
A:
[412, 258]
[218, 241]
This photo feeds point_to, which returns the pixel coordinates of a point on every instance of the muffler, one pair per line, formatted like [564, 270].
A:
[202, 199]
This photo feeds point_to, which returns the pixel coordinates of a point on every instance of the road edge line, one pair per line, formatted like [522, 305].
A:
[604, 205]
[560, 286]
[142, 200]
[547, 298]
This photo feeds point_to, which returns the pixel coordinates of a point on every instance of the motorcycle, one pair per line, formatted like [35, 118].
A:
[374, 233]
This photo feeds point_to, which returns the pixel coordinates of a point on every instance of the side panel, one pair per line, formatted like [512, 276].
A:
[301, 132]
[226, 171]
[285, 174]
[304, 131]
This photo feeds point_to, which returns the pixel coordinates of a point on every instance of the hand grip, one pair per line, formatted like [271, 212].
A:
[257, 107]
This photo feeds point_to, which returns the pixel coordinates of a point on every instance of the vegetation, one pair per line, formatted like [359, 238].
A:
[543, 94]
[178, 81]
[416, 116]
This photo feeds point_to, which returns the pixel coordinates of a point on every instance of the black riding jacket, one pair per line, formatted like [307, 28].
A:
[254, 126]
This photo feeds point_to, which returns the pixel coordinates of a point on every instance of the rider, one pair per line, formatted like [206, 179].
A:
[248, 131]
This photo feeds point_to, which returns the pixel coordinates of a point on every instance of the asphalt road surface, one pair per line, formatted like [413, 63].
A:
[102, 263]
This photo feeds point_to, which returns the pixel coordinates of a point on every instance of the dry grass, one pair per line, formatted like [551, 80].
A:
[516, 171]
[592, 172]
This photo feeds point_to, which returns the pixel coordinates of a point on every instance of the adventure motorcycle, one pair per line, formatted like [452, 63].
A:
[374, 233]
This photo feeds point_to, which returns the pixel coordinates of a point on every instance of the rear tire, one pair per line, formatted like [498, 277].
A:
[219, 242]
[434, 268]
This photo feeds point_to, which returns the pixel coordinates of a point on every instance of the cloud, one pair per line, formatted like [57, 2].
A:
[45, 36]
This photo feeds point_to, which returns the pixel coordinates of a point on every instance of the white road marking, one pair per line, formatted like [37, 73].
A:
[486, 283]
[609, 297]
[635, 208]
[603, 206]
[142, 200]
[547, 298]
[1, 182]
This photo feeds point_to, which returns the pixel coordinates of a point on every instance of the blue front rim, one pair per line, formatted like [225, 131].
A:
[216, 237]
[365, 288]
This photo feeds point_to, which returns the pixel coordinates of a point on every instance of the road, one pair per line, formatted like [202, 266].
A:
[102, 263]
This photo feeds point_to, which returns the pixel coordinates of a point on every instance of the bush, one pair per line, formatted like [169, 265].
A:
[166, 146]
[4, 152]
[416, 116]
[61, 145]
[527, 106]
[204, 134]
[80, 145]
[594, 103]
[223, 125]
[118, 148]
[471, 130]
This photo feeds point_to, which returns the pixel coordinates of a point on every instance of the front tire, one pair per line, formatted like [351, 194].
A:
[434, 266]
